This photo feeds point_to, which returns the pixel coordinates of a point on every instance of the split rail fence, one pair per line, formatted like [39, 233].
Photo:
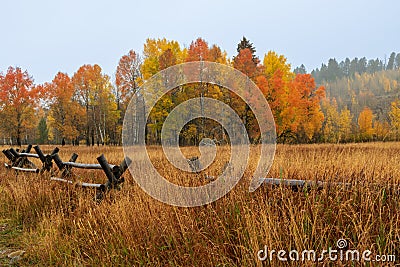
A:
[19, 161]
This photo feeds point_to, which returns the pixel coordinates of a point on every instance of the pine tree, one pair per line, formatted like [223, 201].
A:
[397, 61]
[333, 72]
[300, 70]
[345, 66]
[43, 131]
[390, 65]
[243, 44]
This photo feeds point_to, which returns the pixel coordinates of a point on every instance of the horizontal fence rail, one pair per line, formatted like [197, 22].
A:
[82, 184]
[21, 169]
[85, 166]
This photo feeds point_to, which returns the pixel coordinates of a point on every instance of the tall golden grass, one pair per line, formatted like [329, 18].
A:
[63, 226]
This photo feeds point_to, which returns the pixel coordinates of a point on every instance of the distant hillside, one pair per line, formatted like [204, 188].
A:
[358, 83]
[349, 68]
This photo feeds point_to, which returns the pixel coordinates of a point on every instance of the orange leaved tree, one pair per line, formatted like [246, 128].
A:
[66, 116]
[18, 100]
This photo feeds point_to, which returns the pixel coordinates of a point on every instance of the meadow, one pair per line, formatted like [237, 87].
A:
[61, 225]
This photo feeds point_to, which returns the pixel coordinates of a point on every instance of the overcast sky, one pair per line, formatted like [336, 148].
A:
[45, 37]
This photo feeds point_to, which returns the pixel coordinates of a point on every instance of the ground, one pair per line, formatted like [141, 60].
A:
[62, 225]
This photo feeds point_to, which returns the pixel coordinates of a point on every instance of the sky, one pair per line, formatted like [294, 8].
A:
[48, 36]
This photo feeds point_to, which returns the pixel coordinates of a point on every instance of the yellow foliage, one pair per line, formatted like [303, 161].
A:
[153, 49]
[365, 122]
[345, 119]
[273, 62]
[394, 115]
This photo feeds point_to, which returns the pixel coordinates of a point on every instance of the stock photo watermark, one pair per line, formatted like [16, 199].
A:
[339, 253]
[203, 72]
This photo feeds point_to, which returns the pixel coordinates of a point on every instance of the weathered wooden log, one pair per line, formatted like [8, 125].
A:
[13, 152]
[55, 151]
[29, 164]
[113, 174]
[295, 184]
[28, 149]
[48, 160]
[7, 166]
[21, 169]
[112, 180]
[125, 164]
[67, 169]
[24, 153]
[82, 184]
[40, 153]
[72, 164]
[30, 155]
[58, 162]
[9, 155]
[119, 170]
[86, 166]
[20, 159]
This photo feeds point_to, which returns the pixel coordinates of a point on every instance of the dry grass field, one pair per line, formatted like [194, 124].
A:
[61, 225]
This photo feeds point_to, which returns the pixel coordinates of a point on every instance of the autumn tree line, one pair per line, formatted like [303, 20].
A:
[348, 103]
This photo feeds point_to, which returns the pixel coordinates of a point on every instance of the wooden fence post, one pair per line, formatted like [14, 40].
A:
[9, 155]
[195, 164]
[58, 162]
[112, 181]
[113, 174]
[67, 169]
[40, 153]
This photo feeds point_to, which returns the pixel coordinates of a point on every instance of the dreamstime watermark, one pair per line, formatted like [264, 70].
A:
[201, 72]
[340, 253]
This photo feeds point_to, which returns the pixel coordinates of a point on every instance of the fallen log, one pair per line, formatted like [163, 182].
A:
[295, 185]
[300, 183]
[290, 182]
